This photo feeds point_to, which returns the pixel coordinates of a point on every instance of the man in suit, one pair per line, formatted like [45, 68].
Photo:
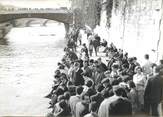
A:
[153, 93]
[114, 105]
[102, 65]
[120, 107]
[98, 97]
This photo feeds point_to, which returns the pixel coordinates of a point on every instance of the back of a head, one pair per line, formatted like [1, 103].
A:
[89, 83]
[117, 90]
[106, 94]
[135, 58]
[114, 82]
[59, 91]
[62, 104]
[91, 61]
[157, 69]
[115, 66]
[99, 59]
[63, 75]
[161, 61]
[61, 97]
[130, 60]
[125, 66]
[79, 90]
[77, 64]
[100, 87]
[146, 56]
[67, 95]
[132, 84]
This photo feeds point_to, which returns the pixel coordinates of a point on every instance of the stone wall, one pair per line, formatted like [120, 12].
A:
[86, 12]
[135, 27]
[160, 44]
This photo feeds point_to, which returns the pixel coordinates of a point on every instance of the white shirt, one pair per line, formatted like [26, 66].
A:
[139, 80]
[147, 67]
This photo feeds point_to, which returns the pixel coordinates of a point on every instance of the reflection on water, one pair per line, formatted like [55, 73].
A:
[25, 48]
[28, 57]
[3, 42]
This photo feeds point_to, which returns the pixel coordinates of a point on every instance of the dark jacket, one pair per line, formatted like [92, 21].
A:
[103, 67]
[98, 98]
[87, 72]
[120, 107]
[154, 89]
[77, 77]
[82, 109]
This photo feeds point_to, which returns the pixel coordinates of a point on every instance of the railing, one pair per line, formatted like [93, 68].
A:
[33, 9]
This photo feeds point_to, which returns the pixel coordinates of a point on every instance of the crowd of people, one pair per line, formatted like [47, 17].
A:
[87, 87]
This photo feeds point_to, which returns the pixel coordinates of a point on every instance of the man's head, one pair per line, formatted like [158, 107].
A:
[86, 98]
[67, 95]
[57, 72]
[76, 65]
[98, 69]
[60, 97]
[156, 69]
[99, 88]
[79, 90]
[96, 63]
[115, 67]
[89, 83]
[135, 59]
[138, 69]
[132, 84]
[161, 62]
[130, 60]
[146, 56]
[85, 63]
[105, 82]
[99, 60]
[117, 90]
[62, 104]
[91, 62]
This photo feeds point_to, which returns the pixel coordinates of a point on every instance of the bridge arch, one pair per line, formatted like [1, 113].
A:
[45, 22]
[64, 17]
[27, 24]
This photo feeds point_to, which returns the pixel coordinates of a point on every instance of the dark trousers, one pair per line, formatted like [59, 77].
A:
[153, 107]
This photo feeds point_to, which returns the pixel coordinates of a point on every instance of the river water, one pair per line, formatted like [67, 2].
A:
[28, 58]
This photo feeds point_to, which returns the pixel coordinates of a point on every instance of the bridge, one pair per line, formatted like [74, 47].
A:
[61, 15]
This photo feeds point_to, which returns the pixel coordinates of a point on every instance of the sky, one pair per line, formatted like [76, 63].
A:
[37, 3]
